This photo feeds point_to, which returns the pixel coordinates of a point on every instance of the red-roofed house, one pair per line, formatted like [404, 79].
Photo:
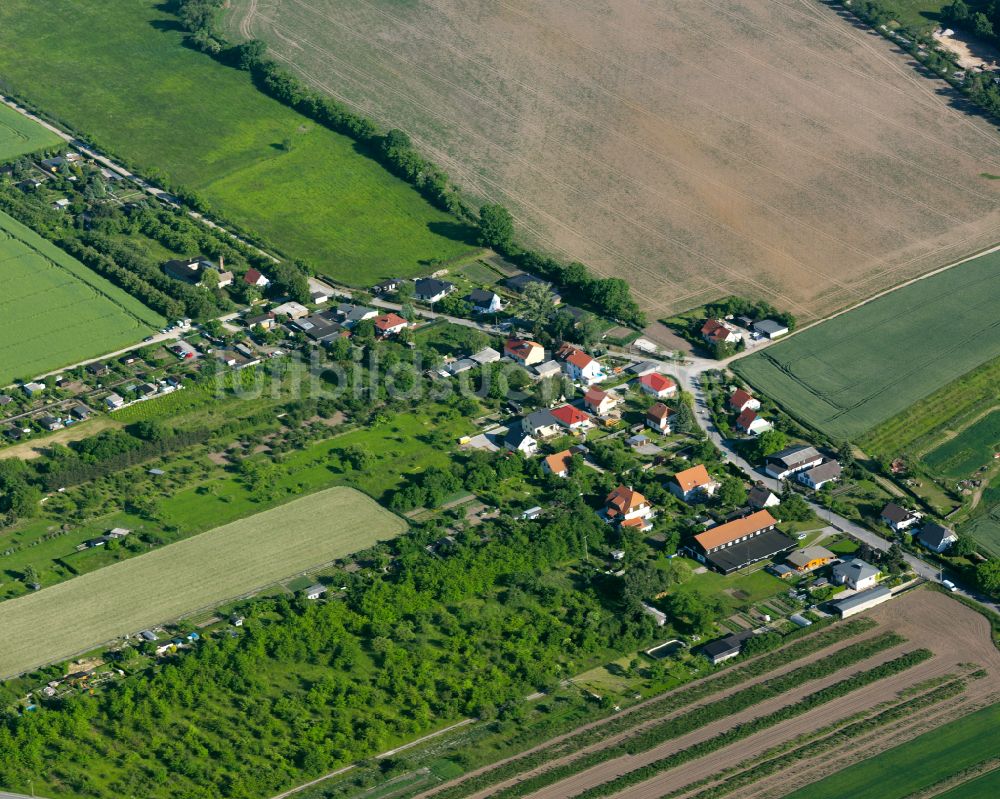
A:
[715, 331]
[558, 464]
[657, 385]
[749, 422]
[579, 366]
[523, 351]
[693, 483]
[570, 417]
[254, 277]
[389, 324]
[658, 417]
[599, 402]
[741, 400]
[629, 508]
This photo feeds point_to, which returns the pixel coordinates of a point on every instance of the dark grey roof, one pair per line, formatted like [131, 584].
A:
[481, 296]
[431, 287]
[536, 419]
[933, 534]
[829, 470]
[895, 513]
[760, 547]
[855, 570]
[515, 434]
[769, 327]
[794, 456]
[758, 495]
[727, 645]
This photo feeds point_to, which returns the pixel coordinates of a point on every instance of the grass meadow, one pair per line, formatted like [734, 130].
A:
[918, 764]
[19, 135]
[969, 450]
[54, 311]
[136, 91]
[985, 787]
[984, 522]
[198, 572]
[849, 374]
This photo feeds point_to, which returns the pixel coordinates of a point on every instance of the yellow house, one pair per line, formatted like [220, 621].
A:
[809, 558]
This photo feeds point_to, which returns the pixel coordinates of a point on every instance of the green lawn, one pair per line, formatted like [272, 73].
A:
[189, 575]
[859, 369]
[984, 524]
[54, 311]
[738, 590]
[19, 135]
[118, 73]
[923, 15]
[917, 764]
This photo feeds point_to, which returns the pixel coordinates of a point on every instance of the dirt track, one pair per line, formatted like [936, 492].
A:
[697, 148]
[953, 632]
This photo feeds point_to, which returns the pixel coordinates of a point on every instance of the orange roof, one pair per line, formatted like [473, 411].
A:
[389, 321]
[595, 396]
[624, 499]
[711, 326]
[569, 415]
[520, 347]
[656, 381]
[695, 477]
[731, 531]
[638, 521]
[739, 399]
[579, 359]
[559, 462]
[658, 412]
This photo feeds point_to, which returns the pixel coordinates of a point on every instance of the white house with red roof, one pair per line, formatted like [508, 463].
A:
[627, 507]
[579, 366]
[658, 386]
[658, 418]
[742, 400]
[254, 277]
[749, 422]
[523, 351]
[715, 331]
[571, 418]
[389, 324]
[600, 402]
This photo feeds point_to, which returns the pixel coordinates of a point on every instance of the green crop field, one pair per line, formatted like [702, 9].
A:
[917, 764]
[984, 522]
[849, 374]
[138, 92]
[984, 787]
[970, 449]
[19, 135]
[55, 311]
[167, 583]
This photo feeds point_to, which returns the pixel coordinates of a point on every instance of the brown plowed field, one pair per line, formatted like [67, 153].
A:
[953, 632]
[763, 147]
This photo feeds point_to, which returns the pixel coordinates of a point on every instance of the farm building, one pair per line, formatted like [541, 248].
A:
[862, 601]
[484, 356]
[733, 545]
[770, 329]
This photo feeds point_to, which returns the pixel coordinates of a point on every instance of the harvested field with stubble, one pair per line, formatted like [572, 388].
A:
[956, 635]
[180, 578]
[755, 147]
